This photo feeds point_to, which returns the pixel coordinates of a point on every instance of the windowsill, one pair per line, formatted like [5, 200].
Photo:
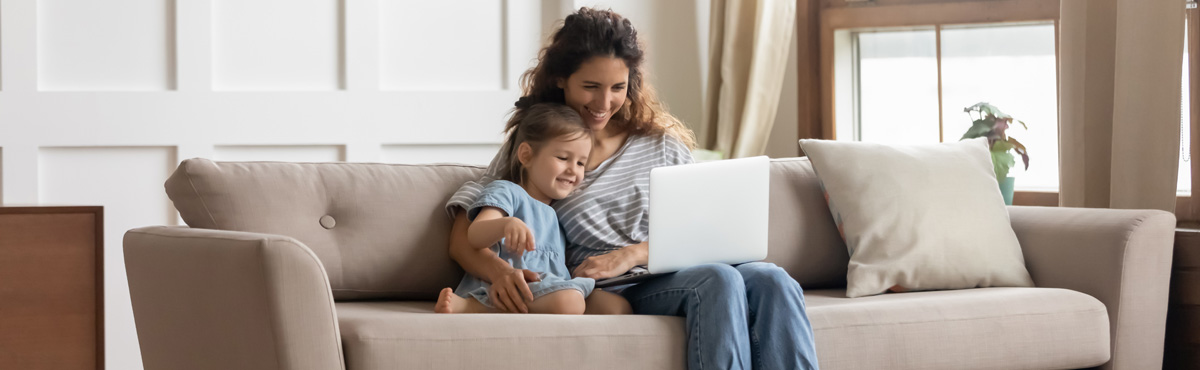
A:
[1046, 198]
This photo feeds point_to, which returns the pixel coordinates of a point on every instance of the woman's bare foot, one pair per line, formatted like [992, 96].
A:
[448, 302]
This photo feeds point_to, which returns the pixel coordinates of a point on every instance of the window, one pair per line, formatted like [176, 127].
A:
[910, 85]
[1185, 130]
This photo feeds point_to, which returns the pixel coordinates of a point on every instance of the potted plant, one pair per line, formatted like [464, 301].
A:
[988, 121]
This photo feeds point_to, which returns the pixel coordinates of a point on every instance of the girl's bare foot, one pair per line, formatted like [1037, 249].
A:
[448, 302]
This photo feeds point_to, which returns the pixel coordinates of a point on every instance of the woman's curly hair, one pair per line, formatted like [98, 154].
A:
[590, 33]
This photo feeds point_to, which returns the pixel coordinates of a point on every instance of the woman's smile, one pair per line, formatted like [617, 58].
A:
[595, 114]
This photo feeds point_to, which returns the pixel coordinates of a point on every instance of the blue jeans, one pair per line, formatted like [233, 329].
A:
[746, 317]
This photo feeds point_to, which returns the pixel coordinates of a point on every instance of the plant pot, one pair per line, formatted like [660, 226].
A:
[1006, 189]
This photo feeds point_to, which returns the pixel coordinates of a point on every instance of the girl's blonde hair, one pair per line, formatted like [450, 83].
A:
[591, 33]
[540, 124]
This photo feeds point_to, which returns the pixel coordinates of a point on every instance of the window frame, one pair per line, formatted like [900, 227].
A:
[1187, 207]
[818, 20]
[822, 18]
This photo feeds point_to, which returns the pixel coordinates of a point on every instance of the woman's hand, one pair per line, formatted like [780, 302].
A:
[510, 290]
[518, 238]
[613, 263]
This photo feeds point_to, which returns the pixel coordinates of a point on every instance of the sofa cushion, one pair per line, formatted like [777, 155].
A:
[378, 229]
[919, 217]
[408, 335]
[986, 328]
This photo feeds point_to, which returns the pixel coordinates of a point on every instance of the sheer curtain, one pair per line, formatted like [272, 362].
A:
[1119, 102]
[748, 54]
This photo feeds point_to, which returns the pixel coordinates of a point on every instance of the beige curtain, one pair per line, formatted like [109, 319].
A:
[1119, 89]
[748, 54]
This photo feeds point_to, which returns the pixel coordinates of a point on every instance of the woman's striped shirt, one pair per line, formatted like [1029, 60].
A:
[611, 208]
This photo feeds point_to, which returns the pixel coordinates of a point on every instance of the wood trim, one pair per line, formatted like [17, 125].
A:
[23, 209]
[98, 213]
[838, 14]
[1035, 198]
[1183, 207]
[828, 104]
[1183, 204]
[901, 14]
[808, 53]
[860, 3]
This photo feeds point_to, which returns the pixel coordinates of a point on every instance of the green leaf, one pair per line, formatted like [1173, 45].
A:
[985, 108]
[1001, 163]
[979, 128]
[993, 124]
[1001, 146]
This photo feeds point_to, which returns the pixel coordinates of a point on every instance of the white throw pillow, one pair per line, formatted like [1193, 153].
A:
[918, 217]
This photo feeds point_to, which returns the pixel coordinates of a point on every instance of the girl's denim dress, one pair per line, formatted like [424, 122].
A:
[547, 259]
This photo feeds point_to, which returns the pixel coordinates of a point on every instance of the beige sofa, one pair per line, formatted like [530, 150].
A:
[335, 265]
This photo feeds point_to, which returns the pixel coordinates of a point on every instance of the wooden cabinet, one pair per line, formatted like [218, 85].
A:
[1183, 314]
[51, 288]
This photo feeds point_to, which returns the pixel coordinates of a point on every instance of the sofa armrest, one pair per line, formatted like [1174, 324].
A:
[211, 299]
[1121, 257]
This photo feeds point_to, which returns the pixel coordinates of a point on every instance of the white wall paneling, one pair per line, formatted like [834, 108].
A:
[277, 45]
[468, 54]
[479, 154]
[362, 45]
[127, 45]
[264, 80]
[306, 84]
[128, 182]
[280, 153]
[194, 45]
[18, 38]
[19, 172]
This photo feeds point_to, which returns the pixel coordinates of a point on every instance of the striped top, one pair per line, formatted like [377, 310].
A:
[610, 209]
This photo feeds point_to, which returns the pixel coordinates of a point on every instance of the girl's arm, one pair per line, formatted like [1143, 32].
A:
[510, 288]
[491, 225]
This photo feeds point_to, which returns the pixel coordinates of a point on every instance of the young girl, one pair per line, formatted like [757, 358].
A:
[548, 152]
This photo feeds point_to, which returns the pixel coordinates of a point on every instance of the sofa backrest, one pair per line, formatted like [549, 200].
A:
[802, 237]
[381, 230]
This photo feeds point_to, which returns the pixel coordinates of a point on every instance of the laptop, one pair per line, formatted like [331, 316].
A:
[711, 212]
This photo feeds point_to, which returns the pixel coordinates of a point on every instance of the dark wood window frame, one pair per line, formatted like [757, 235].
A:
[818, 19]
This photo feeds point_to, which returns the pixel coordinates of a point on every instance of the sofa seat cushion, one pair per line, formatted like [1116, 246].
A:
[408, 335]
[985, 328]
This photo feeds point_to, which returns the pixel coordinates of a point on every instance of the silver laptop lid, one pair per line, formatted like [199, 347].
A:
[712, 212]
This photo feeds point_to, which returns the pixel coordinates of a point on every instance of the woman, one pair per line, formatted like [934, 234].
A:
[751, 316]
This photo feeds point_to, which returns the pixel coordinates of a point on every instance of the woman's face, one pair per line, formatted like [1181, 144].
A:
[597, 90]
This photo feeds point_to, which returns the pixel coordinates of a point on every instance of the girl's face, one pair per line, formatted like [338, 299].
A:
[597, 90]
[556, 168]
